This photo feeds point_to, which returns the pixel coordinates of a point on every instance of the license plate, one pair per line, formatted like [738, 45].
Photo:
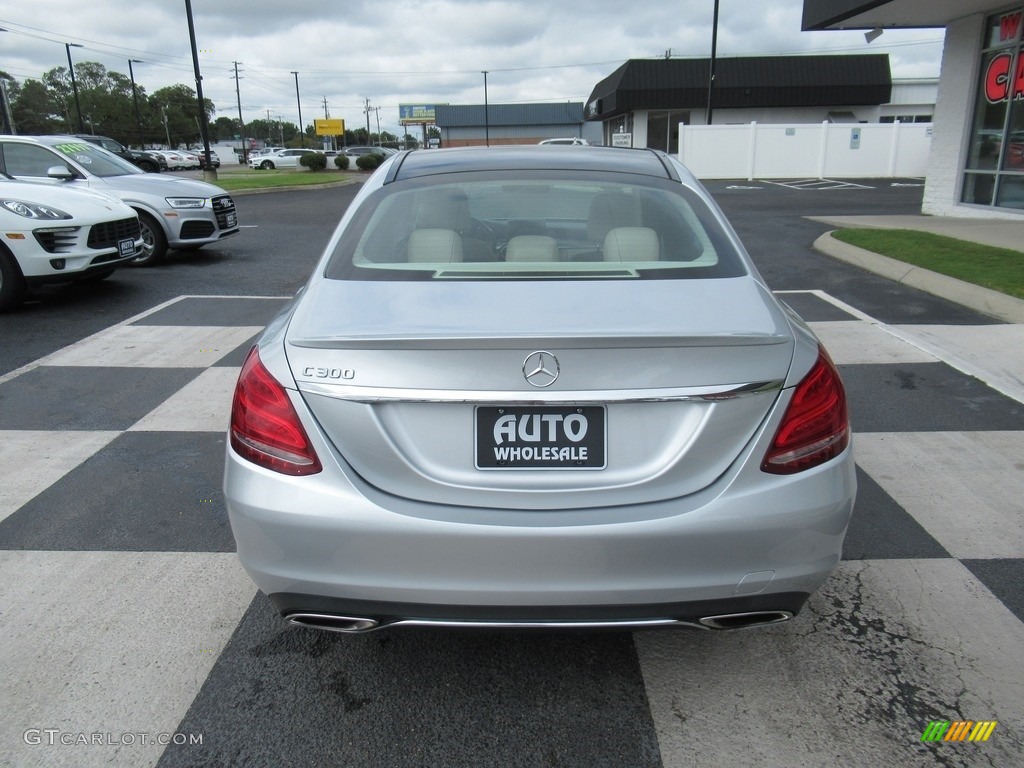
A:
[541, 437]
[126, 247]
[231, 220]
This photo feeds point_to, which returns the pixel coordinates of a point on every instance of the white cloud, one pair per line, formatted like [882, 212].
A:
[426, 52]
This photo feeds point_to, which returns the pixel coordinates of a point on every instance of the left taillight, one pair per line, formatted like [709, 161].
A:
[265, 429]
[815, 427]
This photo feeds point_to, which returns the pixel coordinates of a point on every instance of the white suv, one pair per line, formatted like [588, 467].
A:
[49, 235]
[571, 141]
[174, 212]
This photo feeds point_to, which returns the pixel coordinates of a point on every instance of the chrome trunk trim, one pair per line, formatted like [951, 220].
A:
[373, 395]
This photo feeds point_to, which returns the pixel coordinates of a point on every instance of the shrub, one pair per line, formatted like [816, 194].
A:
[315, 161]
[367, 162]
[341, 161]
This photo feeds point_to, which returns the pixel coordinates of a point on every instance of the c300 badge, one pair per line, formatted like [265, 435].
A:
[314, 372]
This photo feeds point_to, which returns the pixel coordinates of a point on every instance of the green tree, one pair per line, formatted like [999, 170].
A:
[179, 107]
[225, 129]
[35, 110]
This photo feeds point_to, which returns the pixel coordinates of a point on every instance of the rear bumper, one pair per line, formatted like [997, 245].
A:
[316, 545]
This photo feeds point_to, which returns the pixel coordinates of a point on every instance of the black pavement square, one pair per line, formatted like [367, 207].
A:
[814, 309]
[217, 311]
[144, 492]
[881, 529]
[485, 699]
[1004, 578]
[925, 397]
[85, 397]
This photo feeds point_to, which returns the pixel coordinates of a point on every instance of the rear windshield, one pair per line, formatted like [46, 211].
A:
[534, 226]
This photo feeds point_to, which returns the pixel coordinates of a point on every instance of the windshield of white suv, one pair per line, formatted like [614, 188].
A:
[96, 160]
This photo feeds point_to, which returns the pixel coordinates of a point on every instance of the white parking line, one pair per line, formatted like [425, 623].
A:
[818, 184]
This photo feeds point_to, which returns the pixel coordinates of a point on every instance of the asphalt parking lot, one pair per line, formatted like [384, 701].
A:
[130, 636]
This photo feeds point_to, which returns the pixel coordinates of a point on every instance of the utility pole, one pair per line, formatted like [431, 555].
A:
[167, 131]
[377, 111]
[367, 111]
[241, 122]
[487, 119]
[711, 80]
[298, 101]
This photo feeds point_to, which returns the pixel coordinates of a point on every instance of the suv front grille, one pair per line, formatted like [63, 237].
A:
[107, 234]
[57, 239]
[222, 206]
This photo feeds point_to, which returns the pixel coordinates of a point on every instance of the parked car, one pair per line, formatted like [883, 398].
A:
[381, 152]
[174, 212]
[537, 387]
[201, 158]
[572, 141]
[175, 160]
[150, 162]
[54, 235]
[285, 158]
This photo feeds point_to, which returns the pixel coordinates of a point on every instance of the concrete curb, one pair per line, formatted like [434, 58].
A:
[984, 300]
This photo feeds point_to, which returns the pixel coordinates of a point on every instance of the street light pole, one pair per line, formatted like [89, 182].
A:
[298, 102]
[74, 85]
[210, 172]
[135, 97]
[487, 120]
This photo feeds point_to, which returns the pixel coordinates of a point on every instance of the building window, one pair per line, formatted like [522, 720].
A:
[663, 130]
[994, 172]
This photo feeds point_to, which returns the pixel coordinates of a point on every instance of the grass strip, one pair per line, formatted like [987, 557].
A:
[999, 269]
[233, 182]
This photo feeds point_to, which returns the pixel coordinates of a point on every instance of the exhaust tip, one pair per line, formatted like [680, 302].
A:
[332, 623]
[744, 620]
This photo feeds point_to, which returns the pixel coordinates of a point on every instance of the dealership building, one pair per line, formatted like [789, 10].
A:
[976, 164]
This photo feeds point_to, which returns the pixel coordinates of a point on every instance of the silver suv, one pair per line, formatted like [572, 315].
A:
[174, 212]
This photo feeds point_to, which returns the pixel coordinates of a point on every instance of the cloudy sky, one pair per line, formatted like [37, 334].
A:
[426, 52]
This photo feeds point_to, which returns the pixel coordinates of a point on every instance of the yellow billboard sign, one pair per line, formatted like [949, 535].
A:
[329, 127]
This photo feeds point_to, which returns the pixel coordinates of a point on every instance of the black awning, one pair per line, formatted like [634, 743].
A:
[742, 82]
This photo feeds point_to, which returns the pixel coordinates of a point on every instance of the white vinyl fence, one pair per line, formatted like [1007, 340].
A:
[802, 151]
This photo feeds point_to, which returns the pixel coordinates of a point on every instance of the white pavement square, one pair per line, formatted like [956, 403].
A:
[964, 488]
[202, 405]
[109, 643]
[853, 682]
[33, 460]
[155, 346]
[852, 342]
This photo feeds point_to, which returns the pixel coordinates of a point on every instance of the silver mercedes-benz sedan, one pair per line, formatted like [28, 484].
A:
[537, 387]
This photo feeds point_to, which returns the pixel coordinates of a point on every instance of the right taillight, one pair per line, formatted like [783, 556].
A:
[265, 429]
[815, 427]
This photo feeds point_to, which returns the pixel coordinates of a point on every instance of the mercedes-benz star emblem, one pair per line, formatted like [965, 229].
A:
[541, 369]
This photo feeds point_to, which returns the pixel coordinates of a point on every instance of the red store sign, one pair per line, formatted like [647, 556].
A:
[1002, 80]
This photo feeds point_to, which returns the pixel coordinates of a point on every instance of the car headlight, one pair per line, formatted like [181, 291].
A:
[34, 210]
[186, 202]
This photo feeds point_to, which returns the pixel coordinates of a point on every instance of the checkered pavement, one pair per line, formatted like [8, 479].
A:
[124, 611]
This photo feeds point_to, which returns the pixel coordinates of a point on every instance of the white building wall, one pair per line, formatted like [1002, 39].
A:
[954, 107]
